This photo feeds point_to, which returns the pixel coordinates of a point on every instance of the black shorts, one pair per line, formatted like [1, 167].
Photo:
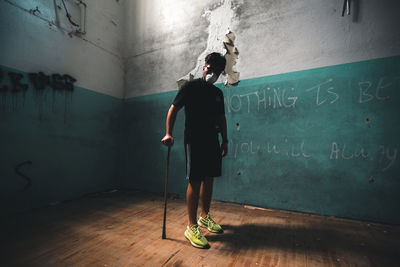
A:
[203, 159]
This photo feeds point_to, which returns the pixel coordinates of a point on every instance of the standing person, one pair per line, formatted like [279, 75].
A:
[204, 118]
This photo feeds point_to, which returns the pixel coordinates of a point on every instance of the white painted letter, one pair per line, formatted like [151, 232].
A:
[240, 103]
[335, 149]
[392, 158]
[363, 92]
[380, 86]
[262, 101]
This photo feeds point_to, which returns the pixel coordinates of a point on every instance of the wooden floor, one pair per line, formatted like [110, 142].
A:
[124, 229]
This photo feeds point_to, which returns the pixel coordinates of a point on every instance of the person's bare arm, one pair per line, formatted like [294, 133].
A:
[168, 140]
[224, 145]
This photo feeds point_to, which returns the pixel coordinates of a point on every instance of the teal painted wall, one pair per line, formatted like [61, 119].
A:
[321, 141]
[71, 138]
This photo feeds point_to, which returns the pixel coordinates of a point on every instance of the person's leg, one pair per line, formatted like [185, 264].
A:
[193, 233]
[205, 195]
[192, 200]
[205, 219]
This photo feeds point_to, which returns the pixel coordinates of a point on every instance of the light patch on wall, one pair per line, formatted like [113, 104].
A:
[221, 19]
[172, 14]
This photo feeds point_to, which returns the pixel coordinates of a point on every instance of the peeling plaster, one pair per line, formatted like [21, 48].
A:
[231, 55]
[221, 19]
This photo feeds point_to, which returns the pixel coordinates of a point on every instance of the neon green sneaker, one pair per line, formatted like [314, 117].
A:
[195, 236]
[210, 224]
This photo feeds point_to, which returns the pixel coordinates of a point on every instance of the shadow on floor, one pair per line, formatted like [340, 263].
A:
[328, 240]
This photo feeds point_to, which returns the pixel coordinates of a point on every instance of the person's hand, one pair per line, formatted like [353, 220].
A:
[168, 140]
[224, 148]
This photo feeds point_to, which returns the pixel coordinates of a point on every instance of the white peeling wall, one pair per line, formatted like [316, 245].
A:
[166, 39]
[35, 37]
[285, 36]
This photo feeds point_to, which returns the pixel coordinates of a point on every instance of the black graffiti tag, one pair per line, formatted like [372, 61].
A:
[15, 79]
[62, 82]
[39, 80]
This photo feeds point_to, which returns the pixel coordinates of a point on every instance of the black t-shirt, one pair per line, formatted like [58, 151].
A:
[204, 104]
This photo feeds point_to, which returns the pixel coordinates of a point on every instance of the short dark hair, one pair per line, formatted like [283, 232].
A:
[216, 60]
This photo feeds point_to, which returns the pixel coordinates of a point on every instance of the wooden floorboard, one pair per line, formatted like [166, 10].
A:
[124, 229]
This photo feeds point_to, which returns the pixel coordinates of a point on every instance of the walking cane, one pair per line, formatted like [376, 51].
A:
[166, 194]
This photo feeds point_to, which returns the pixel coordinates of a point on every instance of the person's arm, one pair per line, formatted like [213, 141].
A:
[168, 140]
[224, 145]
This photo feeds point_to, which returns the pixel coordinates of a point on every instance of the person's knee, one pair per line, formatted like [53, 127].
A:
[194, 183]
[208, 181]
[194, 186]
